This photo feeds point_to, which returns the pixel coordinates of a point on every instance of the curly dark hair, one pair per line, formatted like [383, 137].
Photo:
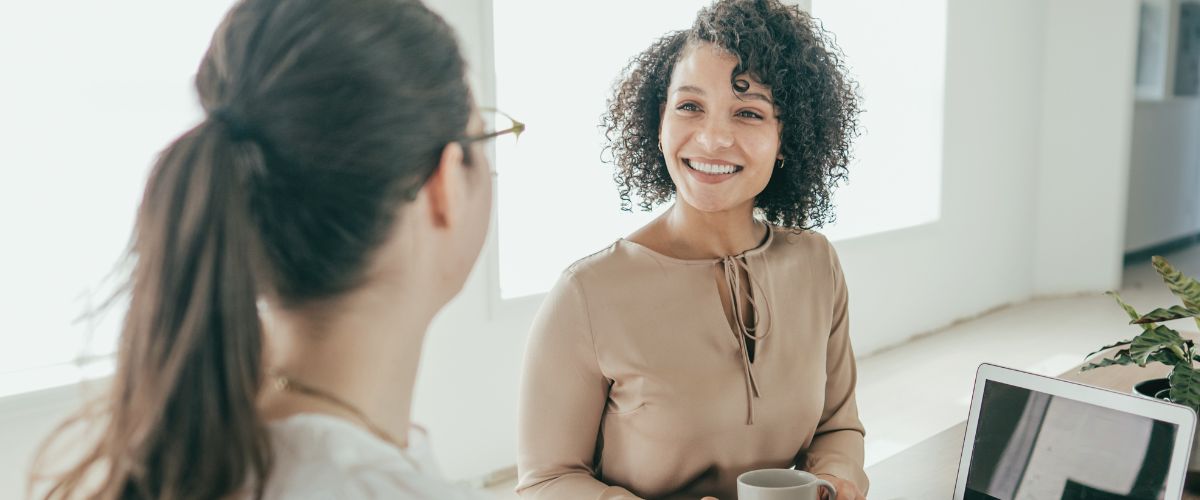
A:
[778, 45]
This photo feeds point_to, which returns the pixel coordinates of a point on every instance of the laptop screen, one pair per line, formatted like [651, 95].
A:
[1035, 446]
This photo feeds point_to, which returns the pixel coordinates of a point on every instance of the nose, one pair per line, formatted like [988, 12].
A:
[715, 133]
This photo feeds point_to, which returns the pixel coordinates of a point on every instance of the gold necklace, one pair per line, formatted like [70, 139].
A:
[287, 384]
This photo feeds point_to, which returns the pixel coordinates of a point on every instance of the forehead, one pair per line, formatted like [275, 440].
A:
[709, 67]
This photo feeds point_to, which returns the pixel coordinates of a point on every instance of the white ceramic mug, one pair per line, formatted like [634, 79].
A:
[782, 484]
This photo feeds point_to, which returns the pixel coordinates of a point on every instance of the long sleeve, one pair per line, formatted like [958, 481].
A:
[837, 447]
[563, 396]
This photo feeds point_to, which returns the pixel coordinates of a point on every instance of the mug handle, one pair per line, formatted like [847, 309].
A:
[828, 487]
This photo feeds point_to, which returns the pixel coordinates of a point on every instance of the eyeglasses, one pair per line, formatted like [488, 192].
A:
[494, 120]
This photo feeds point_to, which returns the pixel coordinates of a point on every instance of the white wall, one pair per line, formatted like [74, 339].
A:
[1164, 184]
[1009, 189]
[978, 255]
[1087, 80]
[1038, 100]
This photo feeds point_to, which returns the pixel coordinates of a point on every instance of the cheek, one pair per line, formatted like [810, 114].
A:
[479, 197]
[672, 134]
[763, 148]
[764, 145]
[485, 201]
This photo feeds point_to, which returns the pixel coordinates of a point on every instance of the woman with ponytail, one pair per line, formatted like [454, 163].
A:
[289, 253]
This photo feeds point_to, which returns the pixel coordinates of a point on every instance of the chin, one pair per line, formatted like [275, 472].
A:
[710, 204]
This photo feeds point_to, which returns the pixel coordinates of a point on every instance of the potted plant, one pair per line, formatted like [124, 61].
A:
[1159, 343]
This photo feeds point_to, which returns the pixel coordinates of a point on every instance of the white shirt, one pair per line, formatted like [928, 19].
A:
[324, 457]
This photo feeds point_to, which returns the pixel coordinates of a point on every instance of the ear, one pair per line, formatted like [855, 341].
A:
[444, 190]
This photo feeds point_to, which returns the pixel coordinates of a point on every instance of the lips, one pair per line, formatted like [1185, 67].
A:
[712, 168]
[711, 171]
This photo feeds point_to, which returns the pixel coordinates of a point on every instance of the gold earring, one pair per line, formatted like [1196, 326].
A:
[781, 162]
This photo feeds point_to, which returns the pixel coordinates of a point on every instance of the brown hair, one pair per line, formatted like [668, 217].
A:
[323, 118]
[785, 49]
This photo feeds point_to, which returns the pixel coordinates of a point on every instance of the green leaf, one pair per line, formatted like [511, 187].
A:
[1121, 358]
[1107, 347]
[1168, 358]
[1133, 314]
[1169, 314]
[1184, 287]
[1185, 386]
[1158, 339]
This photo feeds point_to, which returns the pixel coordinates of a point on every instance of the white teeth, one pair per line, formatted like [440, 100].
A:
[713, 169]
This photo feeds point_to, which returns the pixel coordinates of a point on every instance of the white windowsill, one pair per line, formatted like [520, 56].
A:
[61, 385]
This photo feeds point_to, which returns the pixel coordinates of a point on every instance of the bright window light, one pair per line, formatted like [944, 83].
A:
[92, 92]
[897, 53]
[557, 201]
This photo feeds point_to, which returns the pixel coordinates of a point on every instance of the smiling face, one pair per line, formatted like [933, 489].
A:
[720, 144]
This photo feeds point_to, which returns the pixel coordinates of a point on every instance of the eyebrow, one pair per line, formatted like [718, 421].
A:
[744, 95]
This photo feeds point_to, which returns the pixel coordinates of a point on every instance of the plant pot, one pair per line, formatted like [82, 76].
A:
[1158, 388]
[1155, 388]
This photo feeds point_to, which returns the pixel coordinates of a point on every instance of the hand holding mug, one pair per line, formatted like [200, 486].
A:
[786, 484]
[846, 490]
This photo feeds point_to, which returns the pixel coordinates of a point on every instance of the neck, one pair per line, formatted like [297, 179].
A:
[364, 350]
[694, 234]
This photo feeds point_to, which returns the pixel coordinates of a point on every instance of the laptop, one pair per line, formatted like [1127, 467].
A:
[1031, 437]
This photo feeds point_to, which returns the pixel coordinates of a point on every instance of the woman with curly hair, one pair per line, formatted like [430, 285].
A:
[714, 340]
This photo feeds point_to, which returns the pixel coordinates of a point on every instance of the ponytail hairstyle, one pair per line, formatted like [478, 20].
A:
[323, 118]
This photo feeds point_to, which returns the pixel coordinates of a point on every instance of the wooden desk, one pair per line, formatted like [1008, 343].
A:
[927, 470]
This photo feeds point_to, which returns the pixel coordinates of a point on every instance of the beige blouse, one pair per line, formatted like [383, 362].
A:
[635, 385]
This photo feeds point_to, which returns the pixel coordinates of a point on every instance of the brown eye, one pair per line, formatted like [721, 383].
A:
[688, 106]
[749, 114]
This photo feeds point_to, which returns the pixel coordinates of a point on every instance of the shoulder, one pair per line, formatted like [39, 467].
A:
[587, 271]
[616, 263]
[316, 483]
[613, 257]
[324, 457]
[806, 256]
[600, 259]
[804, 244]
[616, 276]
[373, 483]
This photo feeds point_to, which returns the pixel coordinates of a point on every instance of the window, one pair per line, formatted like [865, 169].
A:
[897, 53]
[92, 92]
[556, 199]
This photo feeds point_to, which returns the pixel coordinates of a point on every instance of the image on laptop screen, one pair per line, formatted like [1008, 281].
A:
[1034, 446]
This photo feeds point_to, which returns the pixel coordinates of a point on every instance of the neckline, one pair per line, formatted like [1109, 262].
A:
[414, 431]
[762, 247]
[289, 384]
[417, 436]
